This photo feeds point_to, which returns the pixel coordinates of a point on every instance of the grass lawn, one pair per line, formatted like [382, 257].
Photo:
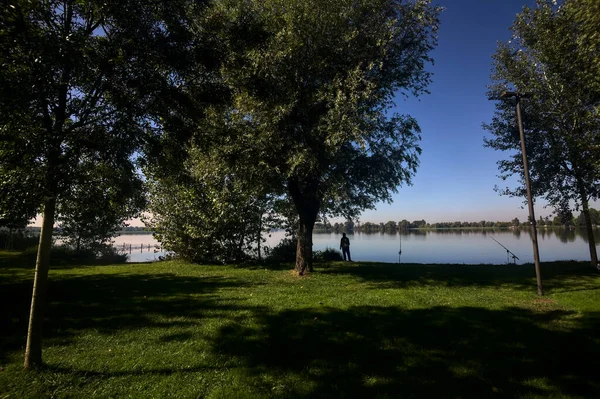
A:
[358, 330]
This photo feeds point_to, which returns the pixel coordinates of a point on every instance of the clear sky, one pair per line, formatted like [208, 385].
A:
[457, 175]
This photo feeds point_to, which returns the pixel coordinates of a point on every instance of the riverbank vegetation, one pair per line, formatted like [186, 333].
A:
[179, 330]
[560, 220]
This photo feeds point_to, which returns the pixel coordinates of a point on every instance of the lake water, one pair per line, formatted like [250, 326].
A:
[430, 246]
[136, 240]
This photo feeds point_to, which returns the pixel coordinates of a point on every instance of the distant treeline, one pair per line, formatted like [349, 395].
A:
[125, 230]
[136, 230]
[393, 227]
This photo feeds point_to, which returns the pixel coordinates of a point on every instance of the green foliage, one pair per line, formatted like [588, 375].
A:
[63, 255]
[586, 14]
[546, 61]
[312, 83]
[315, 95]
[116, 193]
[327, 255]
[391, 227]
[285, 251]
[17, 240]
[564, 217]
[207, 213]
[83, 83]
[594, 218]
[561, 126]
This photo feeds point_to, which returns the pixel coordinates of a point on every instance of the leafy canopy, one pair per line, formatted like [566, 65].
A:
[560, 115]
[313, 84]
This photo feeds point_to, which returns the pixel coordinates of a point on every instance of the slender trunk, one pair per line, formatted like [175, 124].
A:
[11, 240]
[33, 350]
[259, 237]
[53, 123]
[590, 233]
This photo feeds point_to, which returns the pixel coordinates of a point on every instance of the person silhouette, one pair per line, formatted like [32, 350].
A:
[345, 246]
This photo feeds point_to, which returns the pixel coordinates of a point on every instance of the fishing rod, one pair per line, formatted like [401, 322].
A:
[515, 257]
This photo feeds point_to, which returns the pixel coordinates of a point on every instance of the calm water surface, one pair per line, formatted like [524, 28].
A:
[459, 245]
[137, 240]
[430, 246]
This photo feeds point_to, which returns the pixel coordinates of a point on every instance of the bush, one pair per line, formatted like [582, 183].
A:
[285, 251]
[328, 255]
[17, 240]
[111, 255]
[65, 255]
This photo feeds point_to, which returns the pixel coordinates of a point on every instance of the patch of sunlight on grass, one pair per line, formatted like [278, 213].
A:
[542, 384]
[374, 381]
[461, 371]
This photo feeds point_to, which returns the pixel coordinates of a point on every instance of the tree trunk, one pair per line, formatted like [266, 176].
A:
[583, 194]
[33, 350]
[304, 258]
[259, 238]
[590, 233]
[307, 204]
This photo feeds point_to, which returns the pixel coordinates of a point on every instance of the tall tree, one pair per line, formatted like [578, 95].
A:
[78, 78]
[313, 83]
[560, 115]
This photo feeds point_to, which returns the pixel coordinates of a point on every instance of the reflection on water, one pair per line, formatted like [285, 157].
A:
[135, 240]
[468, 246]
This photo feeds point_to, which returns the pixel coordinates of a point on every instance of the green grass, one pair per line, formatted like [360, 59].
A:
[363, 330]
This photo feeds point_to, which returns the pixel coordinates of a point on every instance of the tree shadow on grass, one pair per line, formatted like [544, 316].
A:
[109, 303]
[556, 276]
[438, 352]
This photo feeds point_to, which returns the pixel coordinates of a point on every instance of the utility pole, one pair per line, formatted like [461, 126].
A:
[536, 252]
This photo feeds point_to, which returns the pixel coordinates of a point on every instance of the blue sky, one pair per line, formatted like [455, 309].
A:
[457, 175]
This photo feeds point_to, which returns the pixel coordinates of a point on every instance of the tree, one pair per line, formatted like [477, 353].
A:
[14, 212]
[418, 224]
[560, 114]
[349, 226]
[313, 82]
[391, 227]
[207, 213]
[77, 81]
[594, 217]
[116, 193]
